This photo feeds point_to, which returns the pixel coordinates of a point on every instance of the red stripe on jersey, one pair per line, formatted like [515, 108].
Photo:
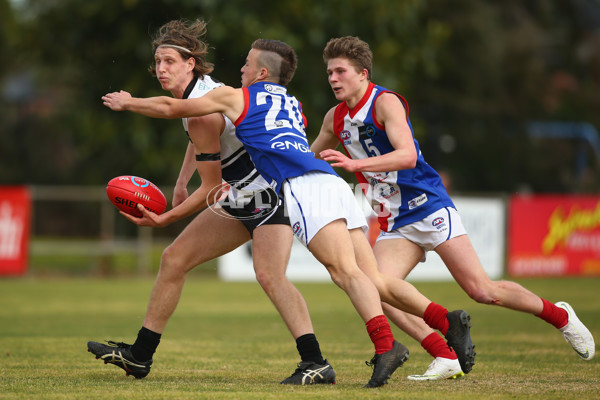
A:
[338, 119]
[338, 126]
[362, 101]
[303, 117]
[404, 103]
[246, 104]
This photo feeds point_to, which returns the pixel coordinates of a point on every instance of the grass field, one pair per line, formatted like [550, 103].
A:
[226, 341]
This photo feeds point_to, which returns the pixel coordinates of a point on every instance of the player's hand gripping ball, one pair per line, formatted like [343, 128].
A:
[126, 191]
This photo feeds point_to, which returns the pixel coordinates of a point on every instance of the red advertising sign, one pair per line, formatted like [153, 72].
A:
[15, 214]
[554, 235]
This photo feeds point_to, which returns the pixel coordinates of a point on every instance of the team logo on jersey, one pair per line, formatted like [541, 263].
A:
[417, 201]
[275, 89]
[366, 131]
[345, 136]
[380, 177]
[384, 190]
[297, 229]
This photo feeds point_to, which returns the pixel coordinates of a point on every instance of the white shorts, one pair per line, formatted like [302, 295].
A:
[315, 199]
[431, 231]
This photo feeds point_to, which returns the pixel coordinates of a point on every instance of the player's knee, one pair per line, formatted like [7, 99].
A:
[384, 286]
[387, 309]
[339, 277]
[168, 257]
[484, 294]
[172, 263]
[266, 278]
[479, 296]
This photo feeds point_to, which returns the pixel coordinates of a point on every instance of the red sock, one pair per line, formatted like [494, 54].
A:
[380, 333]
[554, 315]
[435, 317]
[437, 347]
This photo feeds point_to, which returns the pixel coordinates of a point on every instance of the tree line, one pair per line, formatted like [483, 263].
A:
[475, 73]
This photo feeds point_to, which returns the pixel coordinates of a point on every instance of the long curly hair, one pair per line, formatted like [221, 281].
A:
[188, 35]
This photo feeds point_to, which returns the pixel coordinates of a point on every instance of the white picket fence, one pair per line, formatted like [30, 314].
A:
[107, 243]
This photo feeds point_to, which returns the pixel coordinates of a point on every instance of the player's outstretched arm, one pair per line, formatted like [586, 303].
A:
[226, 100]
[158, 107]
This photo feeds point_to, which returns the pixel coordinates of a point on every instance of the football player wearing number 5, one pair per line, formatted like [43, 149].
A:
[322, 209]
[415, 213]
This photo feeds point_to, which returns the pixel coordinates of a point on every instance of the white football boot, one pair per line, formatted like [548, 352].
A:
[440, 368]
[576, 333]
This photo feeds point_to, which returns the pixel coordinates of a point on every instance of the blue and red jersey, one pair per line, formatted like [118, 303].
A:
[397, 197]
[272, 129]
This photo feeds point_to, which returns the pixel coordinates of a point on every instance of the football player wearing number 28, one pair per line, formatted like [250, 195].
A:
[322, 209]
[415, 213]
[251, 210]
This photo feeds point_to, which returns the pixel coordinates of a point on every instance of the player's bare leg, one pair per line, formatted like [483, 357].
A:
[177, 260]
[271, 246]
[464, 265]
[397, 257]
[455, 325]
[333, 247]
[392, 290]
[271, 252]
[194, 245]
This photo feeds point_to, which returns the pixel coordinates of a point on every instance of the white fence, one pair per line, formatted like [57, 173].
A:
[484, 219]
[107, 244]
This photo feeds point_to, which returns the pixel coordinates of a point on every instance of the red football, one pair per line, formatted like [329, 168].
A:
[126, 191]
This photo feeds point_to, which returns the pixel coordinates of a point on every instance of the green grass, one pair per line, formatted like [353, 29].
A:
[226, 341]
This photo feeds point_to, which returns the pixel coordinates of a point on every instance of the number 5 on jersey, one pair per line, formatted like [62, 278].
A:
[365, 136]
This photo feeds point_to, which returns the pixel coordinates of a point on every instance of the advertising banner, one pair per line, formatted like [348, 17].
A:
[554, 235]
[15, 215]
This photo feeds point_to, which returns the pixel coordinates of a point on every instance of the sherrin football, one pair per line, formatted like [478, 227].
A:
[126, 191]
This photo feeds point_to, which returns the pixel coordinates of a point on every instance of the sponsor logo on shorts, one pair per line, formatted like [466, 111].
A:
[297, 229]
[417, 201]
[439, 223]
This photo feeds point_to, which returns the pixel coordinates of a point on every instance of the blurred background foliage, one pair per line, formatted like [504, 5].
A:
[474, 72]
